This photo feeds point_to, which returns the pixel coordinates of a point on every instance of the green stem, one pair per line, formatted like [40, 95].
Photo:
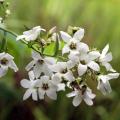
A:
[4, 43]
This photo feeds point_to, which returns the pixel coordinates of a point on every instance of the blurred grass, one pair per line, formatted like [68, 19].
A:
[101, 20]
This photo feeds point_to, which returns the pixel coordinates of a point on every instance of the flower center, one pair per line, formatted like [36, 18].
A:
[4, 61]
[84, 87]
[74, 84]
[45, 86]
[73, 46]
[83, 62]
[64, 71]
[41, 61]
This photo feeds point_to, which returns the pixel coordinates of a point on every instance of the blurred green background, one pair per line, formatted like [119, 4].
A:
[101, 20]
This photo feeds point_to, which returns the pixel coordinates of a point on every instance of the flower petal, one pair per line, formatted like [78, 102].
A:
[37, 70]
[41, 93]
[72, 94]
[34, 95]
[107, 58]
[94, 55]
[94, 66]
[25, 83]
[104, 87]
[61, 86]
[36, 55]
[82, 69]
[27, 94]
[65, 49]
[3, 72]
[105, 50]
[69, 76]
[50, 60]
[13, 66]
[82, 47]
[30, 65]
[51, 94]
[65, 36]
[79, 34]
[77, 100]
[31, 75]
[88, 101]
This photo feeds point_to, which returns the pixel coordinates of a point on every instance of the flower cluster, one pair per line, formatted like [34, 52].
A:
[72, 68]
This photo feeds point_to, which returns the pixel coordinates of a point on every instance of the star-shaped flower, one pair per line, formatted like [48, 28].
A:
[31, 86]
[46, 87]
[40, 64]
[105, 58]
[85, 61]
[32, 34]
[84, 94]
[6, 61]
[73, 44]
[103, 82]
[62, 70]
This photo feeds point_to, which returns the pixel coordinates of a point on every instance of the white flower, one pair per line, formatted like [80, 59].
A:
[46, 87]
[85, 61]
[78, 95]
[105, 58]
[61, 69]
[73, 44]
[40, 64]
[6, 61]
[57, 81]
[31, 87]
[32, 34]
[103, 82]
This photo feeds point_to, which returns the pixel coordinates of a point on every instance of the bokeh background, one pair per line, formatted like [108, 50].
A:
[101, 20]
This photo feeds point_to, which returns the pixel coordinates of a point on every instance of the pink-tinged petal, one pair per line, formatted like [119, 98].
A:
[82, 69]
[94, 66]
[77, 100]
[65, 36]
[79, 34]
